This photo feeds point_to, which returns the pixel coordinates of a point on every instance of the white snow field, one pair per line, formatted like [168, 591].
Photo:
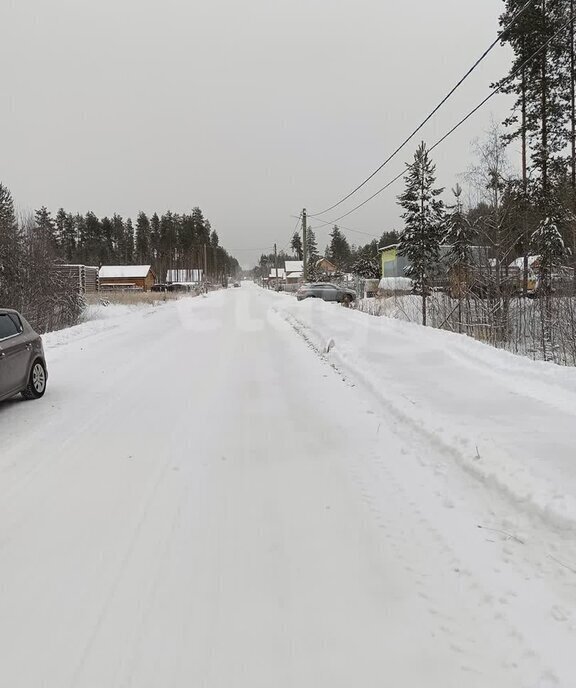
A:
[206, 499]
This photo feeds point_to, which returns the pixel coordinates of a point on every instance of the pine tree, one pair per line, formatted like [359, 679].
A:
[92, 239]
[296, 246]
[106, 252]
[117, 229]
[143, 238]
[542, 86]
[423, 223]
[155, 236]
[67, 237]
[200, 230]
[128, 241]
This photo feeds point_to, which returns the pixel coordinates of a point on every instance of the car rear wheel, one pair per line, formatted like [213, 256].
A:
[36, 383]
[346, 300]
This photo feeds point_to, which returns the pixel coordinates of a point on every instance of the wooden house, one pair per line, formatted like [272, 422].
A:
[126, 277]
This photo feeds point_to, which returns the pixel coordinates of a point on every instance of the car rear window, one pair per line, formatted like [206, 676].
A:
[8, 326]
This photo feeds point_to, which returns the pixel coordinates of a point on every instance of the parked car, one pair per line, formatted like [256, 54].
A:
[22, 362]
[327, 292]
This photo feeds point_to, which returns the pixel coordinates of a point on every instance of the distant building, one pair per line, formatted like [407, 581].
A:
[281, 273]
[294, 270]
[186, 276]
[393, 265]
[83, 278]
[325, 266]
[126, 277]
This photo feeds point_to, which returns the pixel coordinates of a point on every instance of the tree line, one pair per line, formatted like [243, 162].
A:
[168, 241]
[31, 246]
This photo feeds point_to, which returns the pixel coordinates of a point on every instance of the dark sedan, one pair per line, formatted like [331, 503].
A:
[22, 362]
[326, 292]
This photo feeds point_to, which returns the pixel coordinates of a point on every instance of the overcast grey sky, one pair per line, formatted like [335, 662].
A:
[251, 110]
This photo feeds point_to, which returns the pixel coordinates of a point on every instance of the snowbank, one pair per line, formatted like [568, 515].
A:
[98, 318]
[395, 284]
[507, 420]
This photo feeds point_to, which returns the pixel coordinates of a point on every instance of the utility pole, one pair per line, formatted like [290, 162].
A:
[275, 267]
[304, 246]
[205, 263]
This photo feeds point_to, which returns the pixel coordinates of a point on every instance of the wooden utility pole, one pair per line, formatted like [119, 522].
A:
[304, 246]
[205, 263]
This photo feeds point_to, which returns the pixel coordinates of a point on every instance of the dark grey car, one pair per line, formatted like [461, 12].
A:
[22, 361]
[326, 291]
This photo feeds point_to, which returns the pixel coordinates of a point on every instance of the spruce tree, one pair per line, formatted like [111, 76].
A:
[45, 227]
[59, 223]
[11, 253]
[423, 223]
[338, 251]
[312, 248]
[547, 243]
[459, 238]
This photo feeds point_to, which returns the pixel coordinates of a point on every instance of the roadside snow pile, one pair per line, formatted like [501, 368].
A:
[507, 420]
[395, 284]
[96, 318]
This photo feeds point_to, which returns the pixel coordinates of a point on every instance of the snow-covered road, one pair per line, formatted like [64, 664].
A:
[202, 501]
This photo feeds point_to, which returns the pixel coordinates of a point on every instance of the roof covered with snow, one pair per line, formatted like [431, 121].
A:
[519, 262]
[294, 266]
[124, 271]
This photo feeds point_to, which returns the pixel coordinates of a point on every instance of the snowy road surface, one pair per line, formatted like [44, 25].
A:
[203, 501]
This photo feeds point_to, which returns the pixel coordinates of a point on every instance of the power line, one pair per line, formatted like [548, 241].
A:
[434, 111]
[497, 90]
[325, 223]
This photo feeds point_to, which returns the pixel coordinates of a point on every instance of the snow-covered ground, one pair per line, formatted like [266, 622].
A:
[242, 490]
